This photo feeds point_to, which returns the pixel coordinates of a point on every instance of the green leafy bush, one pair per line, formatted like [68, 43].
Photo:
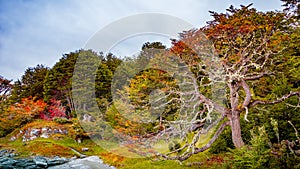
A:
[257, 155]
[61, 120]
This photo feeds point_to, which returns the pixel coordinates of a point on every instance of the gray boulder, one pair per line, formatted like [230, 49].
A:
[40, 161]
[92, 162]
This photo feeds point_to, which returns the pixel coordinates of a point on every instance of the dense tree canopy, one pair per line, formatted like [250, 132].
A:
[57, 83]
[33, 81]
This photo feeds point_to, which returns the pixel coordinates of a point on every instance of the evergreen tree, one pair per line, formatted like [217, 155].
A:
[32, 81]
[58, 81]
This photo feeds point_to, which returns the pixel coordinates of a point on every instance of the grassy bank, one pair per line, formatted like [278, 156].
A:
[62, 145]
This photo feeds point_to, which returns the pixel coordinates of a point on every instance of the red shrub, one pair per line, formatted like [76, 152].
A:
[54, 110]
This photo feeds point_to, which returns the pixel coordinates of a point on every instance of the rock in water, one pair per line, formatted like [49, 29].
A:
[40, 161]
[57, 161]
[8, 160]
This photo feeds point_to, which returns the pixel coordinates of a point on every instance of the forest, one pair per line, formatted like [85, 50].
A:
[226, 95]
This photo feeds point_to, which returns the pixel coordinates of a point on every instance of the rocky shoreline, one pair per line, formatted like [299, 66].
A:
[9, 160]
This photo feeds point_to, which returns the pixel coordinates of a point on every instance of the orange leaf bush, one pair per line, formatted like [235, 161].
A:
[19, 114]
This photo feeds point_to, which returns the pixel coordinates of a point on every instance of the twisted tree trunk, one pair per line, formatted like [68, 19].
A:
[236, 129]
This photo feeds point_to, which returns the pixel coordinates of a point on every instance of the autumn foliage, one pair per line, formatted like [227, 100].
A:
[27, 110]
[54, 110]
[28, 107]
[21, 113]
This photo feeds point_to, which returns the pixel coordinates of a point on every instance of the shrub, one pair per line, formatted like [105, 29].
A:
[257, 155]
[61, 120]
[54, 110]
[223, 142]
[20, 113]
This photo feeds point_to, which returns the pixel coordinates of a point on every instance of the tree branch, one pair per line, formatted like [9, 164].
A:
[255, 77]
[247, 92]
[197, 150]
[256, 102]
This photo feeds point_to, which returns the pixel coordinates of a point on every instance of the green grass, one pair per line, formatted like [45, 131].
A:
[58, 145]
[193, 162]
[62, 147]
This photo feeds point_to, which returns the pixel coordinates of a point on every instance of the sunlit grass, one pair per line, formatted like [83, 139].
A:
[116, 155]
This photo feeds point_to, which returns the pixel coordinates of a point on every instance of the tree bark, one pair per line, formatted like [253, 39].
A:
[236, 130]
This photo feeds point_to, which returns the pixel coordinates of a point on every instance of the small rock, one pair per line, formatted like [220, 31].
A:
[25, 163]
[13, 138]
[85, 149]
[32, 137]
[3, 152]
[60, 131]
[55, 131]
[45, 135]
[9, 162]
[25, 139]
[3, 159]
[44, 129]
[65, 132]
[57, 161]
[35, 132]
[40, 161]
[11, 155]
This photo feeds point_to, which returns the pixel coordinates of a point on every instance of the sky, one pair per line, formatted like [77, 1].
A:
[39, 32]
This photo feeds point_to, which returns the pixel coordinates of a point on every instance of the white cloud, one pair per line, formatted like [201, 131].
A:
[39, 32]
